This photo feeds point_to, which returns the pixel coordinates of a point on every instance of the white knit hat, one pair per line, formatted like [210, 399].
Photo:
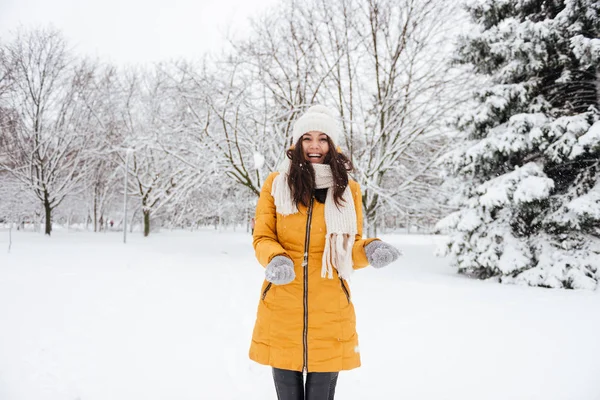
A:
[317, 118]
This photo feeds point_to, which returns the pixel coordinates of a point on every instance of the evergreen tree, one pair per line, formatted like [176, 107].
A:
[529, 154]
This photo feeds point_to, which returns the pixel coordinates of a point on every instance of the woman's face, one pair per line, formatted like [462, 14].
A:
[315, 147]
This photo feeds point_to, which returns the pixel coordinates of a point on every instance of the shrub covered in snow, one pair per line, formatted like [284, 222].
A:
[529, 156]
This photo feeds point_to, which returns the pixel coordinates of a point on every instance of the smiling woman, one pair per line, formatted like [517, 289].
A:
[137, 31]
[308, 235]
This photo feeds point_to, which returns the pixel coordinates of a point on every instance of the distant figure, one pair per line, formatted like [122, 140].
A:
[309, 237]
[252, 223]
[111, 223]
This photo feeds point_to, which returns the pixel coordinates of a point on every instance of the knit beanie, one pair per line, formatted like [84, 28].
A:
[317, 118]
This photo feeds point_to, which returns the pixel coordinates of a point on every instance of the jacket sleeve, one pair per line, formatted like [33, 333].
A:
[359, 256]
[265, 241]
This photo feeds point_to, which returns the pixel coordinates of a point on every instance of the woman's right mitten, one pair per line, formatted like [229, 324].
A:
[280, 270]
[379, 254]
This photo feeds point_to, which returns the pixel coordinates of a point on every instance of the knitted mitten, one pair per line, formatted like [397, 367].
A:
[381, 254]
[280, 270]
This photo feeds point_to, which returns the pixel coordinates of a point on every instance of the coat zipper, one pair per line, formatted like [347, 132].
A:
[345, 290]
[305, 269]
[266, 290]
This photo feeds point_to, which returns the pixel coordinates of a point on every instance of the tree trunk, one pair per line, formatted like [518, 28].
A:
[48, 211]
[95, 214]
[146, 222]
[371, 222]
[132, 220]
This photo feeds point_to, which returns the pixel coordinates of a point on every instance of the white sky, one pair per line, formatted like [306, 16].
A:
[136, 31]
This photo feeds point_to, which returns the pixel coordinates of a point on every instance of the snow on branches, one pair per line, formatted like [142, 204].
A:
[529, 158]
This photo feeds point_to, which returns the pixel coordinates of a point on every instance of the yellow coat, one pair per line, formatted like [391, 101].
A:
[328, 342]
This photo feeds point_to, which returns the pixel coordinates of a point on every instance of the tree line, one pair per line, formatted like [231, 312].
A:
[196, 139]
[490, 120]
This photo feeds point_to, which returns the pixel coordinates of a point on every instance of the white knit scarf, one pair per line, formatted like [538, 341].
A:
[340, 222]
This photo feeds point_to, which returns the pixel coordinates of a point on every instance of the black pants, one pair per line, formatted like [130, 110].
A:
[290, 385]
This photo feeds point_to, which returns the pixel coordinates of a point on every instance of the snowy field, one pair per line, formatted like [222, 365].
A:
[169, 317]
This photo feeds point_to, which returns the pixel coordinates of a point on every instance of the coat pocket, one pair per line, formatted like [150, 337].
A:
[264, 294]
[346, 291]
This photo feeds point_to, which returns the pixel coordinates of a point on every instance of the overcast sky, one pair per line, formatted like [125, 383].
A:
[136, 31]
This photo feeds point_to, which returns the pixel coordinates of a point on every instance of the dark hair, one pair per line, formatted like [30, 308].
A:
[302, 174]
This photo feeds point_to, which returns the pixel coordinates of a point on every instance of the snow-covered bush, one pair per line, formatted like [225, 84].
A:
[529, 156]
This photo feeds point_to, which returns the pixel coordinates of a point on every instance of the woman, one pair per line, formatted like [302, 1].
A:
[308, 235]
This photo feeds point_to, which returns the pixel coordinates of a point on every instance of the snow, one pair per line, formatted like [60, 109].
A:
[518, 135]
[574, 264]
[524, 185]
[533, 188]
[515, 255]
[259, 160]
[567, 130]
[450, 221]
[494, 196]
[588, 204]
[586, 49]
[170, 317]
[592, 138]
[470, 220]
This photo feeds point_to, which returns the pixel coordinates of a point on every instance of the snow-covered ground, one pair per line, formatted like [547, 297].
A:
[169, 317]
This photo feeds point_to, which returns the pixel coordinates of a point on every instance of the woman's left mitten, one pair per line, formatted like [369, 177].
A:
[280, 270]
[381, 254]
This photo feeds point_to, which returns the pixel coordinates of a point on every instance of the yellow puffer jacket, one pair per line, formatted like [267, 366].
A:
[309, 323]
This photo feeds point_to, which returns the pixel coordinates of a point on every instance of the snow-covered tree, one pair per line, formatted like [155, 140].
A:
[158, 174]
[383, 64]
[223, 124]
[6, 67]
[17, 204]
[45, 134]
[395, 89]
[206, 134]
[530, 150]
